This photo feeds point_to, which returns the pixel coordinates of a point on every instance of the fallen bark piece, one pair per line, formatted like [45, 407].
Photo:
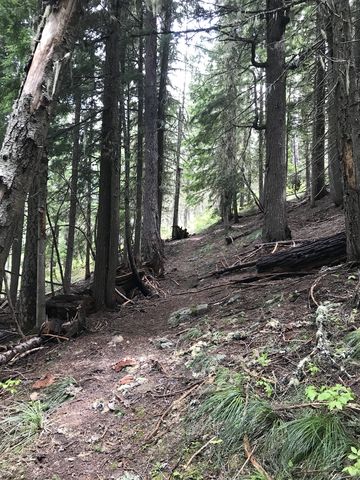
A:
[19, 349]
[123, 363]
[43, 382]
[324, 251]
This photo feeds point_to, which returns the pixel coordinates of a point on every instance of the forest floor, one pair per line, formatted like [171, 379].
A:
[132, 411]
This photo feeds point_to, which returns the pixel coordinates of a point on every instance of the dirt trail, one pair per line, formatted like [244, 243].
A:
[82, 442]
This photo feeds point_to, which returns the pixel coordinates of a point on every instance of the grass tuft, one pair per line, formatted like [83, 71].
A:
[353, 342]
[22, 421]
[315, 441]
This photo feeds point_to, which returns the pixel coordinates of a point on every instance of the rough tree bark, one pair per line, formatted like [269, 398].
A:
[177, 165]
[41, 242]
[348, 100]
[334, 139]
[152, 247]
[27, 129]
[140, 136]
[27, 297]
[275, 218]
[16, 251]
[165, 41]
[107, 237]
[76, 153]
[318, 189]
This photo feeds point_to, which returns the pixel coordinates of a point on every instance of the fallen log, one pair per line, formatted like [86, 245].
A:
[315, 254]
[232, 238]
[19, 349]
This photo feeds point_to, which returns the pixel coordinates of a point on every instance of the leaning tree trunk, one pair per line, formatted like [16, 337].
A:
[318, 189]
[152, 248]
[73, 192]
[26, 133]
[275, 217]
[107, 237]
[347, 99]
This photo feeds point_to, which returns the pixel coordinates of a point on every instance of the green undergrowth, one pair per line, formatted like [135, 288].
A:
[310, 436]
[22, 421]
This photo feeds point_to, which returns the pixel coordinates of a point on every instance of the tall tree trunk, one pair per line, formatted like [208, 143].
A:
[162, 99]
[28, 289]
[347, 99]
[177, 166]
[107, 239]
[261, 144]
[152, 247]
[140, 137]
[41, 243]
[26, 133]
[275, 217]
[318, 189]
[334, 134]
[16, 251]
[73, 192]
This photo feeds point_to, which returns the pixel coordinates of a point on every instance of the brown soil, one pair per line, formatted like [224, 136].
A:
[146, 431]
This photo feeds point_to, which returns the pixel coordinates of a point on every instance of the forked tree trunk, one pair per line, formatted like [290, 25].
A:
[107, 239]
[73, 192]
[275, 217]
[152, 247]
[26, 133]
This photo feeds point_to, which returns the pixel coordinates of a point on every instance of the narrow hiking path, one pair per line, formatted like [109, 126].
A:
[136, 422]
[84, 440]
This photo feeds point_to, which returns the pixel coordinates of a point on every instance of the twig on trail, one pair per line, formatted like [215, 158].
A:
[171, 407]
[60, 337]
[231, 269]
[124, 297]
[198, 452]
[250, 455]
[23, 355]
[246, 462]
[177, 392]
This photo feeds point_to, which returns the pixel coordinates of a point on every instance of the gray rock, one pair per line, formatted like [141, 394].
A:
[187, 314]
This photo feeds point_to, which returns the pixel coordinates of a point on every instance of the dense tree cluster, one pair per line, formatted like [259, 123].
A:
[101, 147]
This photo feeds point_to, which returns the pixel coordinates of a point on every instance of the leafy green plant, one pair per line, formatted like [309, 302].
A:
[312, 369]
[263, 359]
[266, 386]
[354, 469]
[335, 398]
[10, 385]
